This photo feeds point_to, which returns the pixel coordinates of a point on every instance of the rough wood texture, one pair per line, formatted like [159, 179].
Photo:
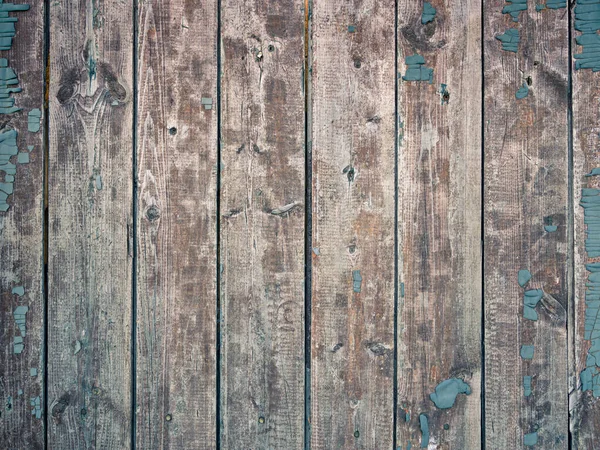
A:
[262, 224]
[525, 188]
[21, 244]
[90, 223]
[439, 223]
[177, 193]
[352, 364]
[584, 407]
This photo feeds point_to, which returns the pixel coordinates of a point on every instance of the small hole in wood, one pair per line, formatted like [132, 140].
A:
[172, 131]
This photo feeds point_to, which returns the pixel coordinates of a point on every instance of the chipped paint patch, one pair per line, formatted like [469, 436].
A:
[446, 392]
[524, 277]
[530, 300]
[8, 78]
[556, 4]
[428, 13]
[587, 22]
[351, 29]
[7, 23]
[33, 120]
[424, 424]
[514, 8]
[99, 182]
[416, 70]
[530, 439]
[207, 102]
[18, 290]
[510, 40]
[8, 149]
[356, 280]
[550, 228]
[527, 351]
[33, 372]
[522, 92]
[527, 385]
[444, 94]
[37, 407]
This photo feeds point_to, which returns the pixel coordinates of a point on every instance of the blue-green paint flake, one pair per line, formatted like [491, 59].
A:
[402, 290]
[19, 315]
[7, 23]
[23, 158]
[99, 182]
[540, 7]
[527, 385]
[36, 403]
[522, 92]
[556, 4]
[446, 392]
[510, 40]
[428, 13]
[33, 120]
[207, 102]
[523, 277]
[351, 28]
[424, 424]
[445, 94]
[530, 439]
[416, 70]
[8, 79]
[550, 228]
[19, 290]
[527, 351]
[587, 22]
[33, 372]
[20, 392]
[514, 8]
[356, 280]
[530, 300]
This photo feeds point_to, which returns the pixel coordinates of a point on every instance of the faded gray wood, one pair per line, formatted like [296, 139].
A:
[262, 225]
[352, 354]
[439, 224]
[21, 245]
[177, 201]
[584, 407]
[90, 225]
[525, 190]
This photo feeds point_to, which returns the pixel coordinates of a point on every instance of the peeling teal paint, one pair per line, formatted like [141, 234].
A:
[33, 372]
[550, 228]
[23, 158]
[522, 92]
[446, 392]
[351, 29]
[99, 182]
[530, 300]
[7, 23]
[8, 78]
[33, 120]
[540, 7]
[424, 424]
[556, 4]
[416, 70]
[514, 8]
[527, 385]
[207, 102]
[37, 407]
[428, 13]
[524, 277]
[19, 290]
[510, 40]
[445, 94]
[527, 351]
[595, 171]
[356, 280]
[530, 439]
[20, 392]
[587, 22]
[402, 290]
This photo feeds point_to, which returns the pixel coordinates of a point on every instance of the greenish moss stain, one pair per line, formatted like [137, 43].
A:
[587, 22]
[416, 70]
[510, 40]
[523, 277]
[446, 392]
[527, 385]
[530, 300]
[514, 8]
[356, 280]
[424, 424]
[7, 23]
[33, 120]
[522, 92]
[530, 439]
[428, 13]
[527, 351]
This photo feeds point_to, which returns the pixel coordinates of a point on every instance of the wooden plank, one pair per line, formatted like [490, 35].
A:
[525, 192]
[90, 223]
[21, 234]
[353, 162]
[584, 404]
[177, 159]
[439, 225]
[262, 224]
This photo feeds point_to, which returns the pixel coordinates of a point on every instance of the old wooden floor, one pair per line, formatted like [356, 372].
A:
[345, 224]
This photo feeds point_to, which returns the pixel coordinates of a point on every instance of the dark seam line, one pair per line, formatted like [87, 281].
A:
[396, 223]
[482, 236]
[307, 225]
[134, 237]
[218, 239]
[45, 230]
[571, 217]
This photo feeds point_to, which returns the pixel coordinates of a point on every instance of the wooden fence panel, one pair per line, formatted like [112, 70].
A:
[21, 229]
[439, 224]
[353, 198]
[176, 224]
[90, 225]
[525, 224]
[262, 214]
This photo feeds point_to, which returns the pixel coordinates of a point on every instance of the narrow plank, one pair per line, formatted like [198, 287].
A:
[90, 221]
[262, 224]
[584, 404]
[525, 225]
[353, 195]
[177, 160]
[439, 225]
[21, 234]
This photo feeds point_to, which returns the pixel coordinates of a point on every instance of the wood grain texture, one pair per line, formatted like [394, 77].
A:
[177, 189]
[90, 223]
[352, 363]
[262, 224]
[439, 223]
[525, 188]
[584, 408]
[21, 244]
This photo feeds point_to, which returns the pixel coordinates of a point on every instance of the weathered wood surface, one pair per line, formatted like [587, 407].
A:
[21, 234]
[439, 223]
[176, 225]
[525, 191]
[353, 161]
[90, 225]
[262, 224]
[584, 406]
